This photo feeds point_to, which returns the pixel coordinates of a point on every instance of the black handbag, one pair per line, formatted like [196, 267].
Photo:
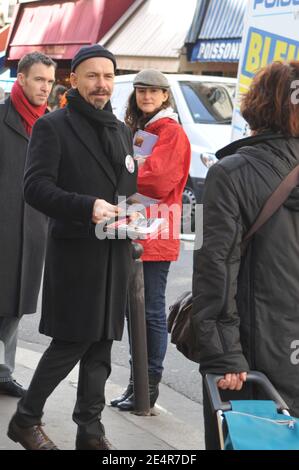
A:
[179, 326]
[180, 313]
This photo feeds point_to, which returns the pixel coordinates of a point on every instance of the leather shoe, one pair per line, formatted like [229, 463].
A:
[12, 388]
[129, 390]
[93, 443]
[128, 404]
[32, 438]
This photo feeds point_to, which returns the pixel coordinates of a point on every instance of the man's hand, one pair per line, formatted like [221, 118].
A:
[103, 211]
[232, 381]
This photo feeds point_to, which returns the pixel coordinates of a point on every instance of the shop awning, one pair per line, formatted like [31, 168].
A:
[153, 36]
[198, 19]
[220, 36]
[4, 32]
[60, 28]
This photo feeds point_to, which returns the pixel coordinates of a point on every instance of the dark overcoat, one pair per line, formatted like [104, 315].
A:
[246, 310]
[85, 279]
[23, 229]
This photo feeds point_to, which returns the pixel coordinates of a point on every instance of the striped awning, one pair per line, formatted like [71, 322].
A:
[224, 20]
[220, 36]
[199, 15]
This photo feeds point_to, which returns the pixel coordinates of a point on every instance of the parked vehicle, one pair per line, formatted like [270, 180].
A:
[5, 87]
[205, 106]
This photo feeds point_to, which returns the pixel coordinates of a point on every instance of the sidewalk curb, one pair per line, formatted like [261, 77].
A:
[178, 425]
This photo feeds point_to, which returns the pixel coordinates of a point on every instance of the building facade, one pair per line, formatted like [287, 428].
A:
[214, 41]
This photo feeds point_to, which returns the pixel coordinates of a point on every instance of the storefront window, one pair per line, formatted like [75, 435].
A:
[209, 103]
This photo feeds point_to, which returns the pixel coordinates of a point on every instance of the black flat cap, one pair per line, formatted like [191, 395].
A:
[88, 52]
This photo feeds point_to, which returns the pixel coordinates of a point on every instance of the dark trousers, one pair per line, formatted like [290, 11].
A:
[55, 364]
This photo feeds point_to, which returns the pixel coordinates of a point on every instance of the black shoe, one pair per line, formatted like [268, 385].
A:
[124, 396]
[12, 388]
[128, 404]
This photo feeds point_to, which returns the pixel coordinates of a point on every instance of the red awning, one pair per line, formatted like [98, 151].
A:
[60, 28]
[3, 37]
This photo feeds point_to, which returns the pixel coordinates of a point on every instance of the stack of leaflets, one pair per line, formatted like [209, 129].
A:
[138, 229]
[143, 144]
[133, 224]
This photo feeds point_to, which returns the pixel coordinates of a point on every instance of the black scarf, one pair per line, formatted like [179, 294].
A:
[105, 125]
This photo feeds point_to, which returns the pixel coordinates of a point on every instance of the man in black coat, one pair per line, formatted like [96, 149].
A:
[79, 163]
[23, 229]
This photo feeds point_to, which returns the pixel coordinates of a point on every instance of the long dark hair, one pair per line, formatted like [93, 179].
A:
[134, 117]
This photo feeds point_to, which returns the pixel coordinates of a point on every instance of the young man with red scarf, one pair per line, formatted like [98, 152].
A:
[23, 230]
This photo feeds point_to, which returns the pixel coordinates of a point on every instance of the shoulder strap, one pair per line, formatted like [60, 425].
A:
[275, 201]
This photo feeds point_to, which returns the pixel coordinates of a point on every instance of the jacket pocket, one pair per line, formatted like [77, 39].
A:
[70, 230]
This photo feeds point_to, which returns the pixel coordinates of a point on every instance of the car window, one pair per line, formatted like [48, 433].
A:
[208, 102]
[120, 98]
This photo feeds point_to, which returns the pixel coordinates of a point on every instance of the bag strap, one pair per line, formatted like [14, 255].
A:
[275, 201]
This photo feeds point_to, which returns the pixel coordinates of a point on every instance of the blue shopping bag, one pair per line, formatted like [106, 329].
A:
[256, 425]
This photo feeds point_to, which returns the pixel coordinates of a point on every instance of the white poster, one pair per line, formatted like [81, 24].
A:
[271, 33]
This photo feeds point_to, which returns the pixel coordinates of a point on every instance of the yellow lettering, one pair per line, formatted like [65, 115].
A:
[266, 52]
[280, 51]
[291, 52]
[254, 53]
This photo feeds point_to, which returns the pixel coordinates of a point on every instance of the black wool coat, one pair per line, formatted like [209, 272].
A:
[23, 229]
[85, 279]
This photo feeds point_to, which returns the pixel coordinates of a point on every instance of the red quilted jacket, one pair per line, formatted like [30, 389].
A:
[163, 176]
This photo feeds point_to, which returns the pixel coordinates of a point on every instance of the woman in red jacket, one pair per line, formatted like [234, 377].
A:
[163, 176]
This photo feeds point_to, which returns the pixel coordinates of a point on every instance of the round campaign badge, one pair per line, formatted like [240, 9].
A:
[130, 164]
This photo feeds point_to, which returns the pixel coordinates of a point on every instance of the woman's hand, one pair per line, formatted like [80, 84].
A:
[232, 381]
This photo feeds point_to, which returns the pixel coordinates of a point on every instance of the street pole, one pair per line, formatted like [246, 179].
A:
[137, 325]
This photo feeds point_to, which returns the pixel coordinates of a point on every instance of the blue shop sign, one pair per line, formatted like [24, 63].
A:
[226, 50]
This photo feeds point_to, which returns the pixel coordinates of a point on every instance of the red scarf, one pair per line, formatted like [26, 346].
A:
[28, 112]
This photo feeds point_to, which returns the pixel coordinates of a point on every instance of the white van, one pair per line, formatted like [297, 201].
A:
[6, 85]
[204, 105]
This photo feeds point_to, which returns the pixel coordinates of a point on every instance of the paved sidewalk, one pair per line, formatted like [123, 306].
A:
[178, 426]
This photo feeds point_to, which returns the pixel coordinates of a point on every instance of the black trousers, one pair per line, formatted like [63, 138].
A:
[55, 364]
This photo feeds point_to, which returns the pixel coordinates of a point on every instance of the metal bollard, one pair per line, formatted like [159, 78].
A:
[137, 326]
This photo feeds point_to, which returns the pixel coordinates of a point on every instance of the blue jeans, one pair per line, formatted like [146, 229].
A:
[155, 279]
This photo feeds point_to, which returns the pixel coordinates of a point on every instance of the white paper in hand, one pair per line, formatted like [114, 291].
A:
[143, 143]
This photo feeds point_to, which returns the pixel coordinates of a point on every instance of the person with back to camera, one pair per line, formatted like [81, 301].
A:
[163, 176]
[246, 310]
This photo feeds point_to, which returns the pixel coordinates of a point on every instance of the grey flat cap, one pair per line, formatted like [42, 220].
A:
[151, 78]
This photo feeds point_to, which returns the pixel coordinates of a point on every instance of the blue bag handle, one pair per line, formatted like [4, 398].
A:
[254, 377]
